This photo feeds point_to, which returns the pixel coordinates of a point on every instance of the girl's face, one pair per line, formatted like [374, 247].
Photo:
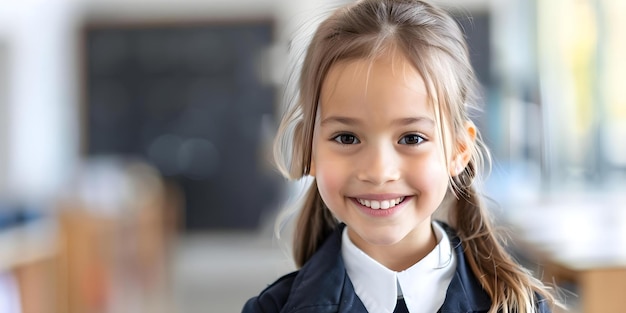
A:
[377, 156]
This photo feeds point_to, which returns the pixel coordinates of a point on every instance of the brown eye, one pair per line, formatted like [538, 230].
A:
[412, 139]
[346, 139]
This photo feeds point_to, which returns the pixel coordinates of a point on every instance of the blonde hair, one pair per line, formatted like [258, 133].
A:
[433, 42]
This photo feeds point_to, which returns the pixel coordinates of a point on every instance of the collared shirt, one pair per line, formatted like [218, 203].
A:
[422, 285]
[322, 285]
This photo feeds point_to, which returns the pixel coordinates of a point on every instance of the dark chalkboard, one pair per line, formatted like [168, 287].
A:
[188, 99]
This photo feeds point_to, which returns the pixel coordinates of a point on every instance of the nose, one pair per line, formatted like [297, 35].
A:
[379, 165]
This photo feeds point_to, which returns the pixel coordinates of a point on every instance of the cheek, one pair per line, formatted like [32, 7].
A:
[330, 179]
[431, 175]
[329, 184]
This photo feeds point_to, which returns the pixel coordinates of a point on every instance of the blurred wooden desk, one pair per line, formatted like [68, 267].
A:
[30, 253]
[580, 242]
[106, 248]
[28, 243]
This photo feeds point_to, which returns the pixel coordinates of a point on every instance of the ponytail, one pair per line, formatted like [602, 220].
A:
[511, 287]
[315, 222]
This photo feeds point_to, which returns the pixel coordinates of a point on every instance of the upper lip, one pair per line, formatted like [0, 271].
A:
[379, 196]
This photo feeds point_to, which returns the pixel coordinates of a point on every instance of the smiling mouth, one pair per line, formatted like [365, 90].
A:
[382, 204]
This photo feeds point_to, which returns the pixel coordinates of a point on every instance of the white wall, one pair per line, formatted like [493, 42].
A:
[4, 85]
[40, 132]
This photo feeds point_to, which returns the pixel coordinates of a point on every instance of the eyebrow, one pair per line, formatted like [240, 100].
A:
[348, 121]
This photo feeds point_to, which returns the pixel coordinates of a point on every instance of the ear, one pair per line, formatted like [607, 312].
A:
[464, 150]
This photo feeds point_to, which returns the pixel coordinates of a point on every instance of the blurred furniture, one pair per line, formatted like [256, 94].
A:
[116, 224]
[106, 248]
[29, 254]
[578, 240]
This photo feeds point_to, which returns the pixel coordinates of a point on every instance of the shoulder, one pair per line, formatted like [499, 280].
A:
[319, 283]
[272, 298]
[465, 291]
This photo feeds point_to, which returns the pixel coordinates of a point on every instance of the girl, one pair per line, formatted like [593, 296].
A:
[382, 125]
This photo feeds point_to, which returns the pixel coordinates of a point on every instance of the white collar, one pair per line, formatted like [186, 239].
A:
[423, 285]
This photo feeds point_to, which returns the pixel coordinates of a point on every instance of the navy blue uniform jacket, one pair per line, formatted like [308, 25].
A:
[322, 286]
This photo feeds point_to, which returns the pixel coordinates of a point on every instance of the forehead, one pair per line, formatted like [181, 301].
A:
[386, 86]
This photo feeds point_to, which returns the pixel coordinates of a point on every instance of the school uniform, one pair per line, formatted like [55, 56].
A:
[322, 285]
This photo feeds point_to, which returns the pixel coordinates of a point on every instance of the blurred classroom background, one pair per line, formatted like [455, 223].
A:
[135, 142]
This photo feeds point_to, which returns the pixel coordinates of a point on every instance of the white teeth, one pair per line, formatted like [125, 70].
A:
[384, 204]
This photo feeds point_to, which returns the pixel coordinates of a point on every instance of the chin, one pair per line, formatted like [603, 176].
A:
[382, 237]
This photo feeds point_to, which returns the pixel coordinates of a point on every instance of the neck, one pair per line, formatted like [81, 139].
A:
[403, 254]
